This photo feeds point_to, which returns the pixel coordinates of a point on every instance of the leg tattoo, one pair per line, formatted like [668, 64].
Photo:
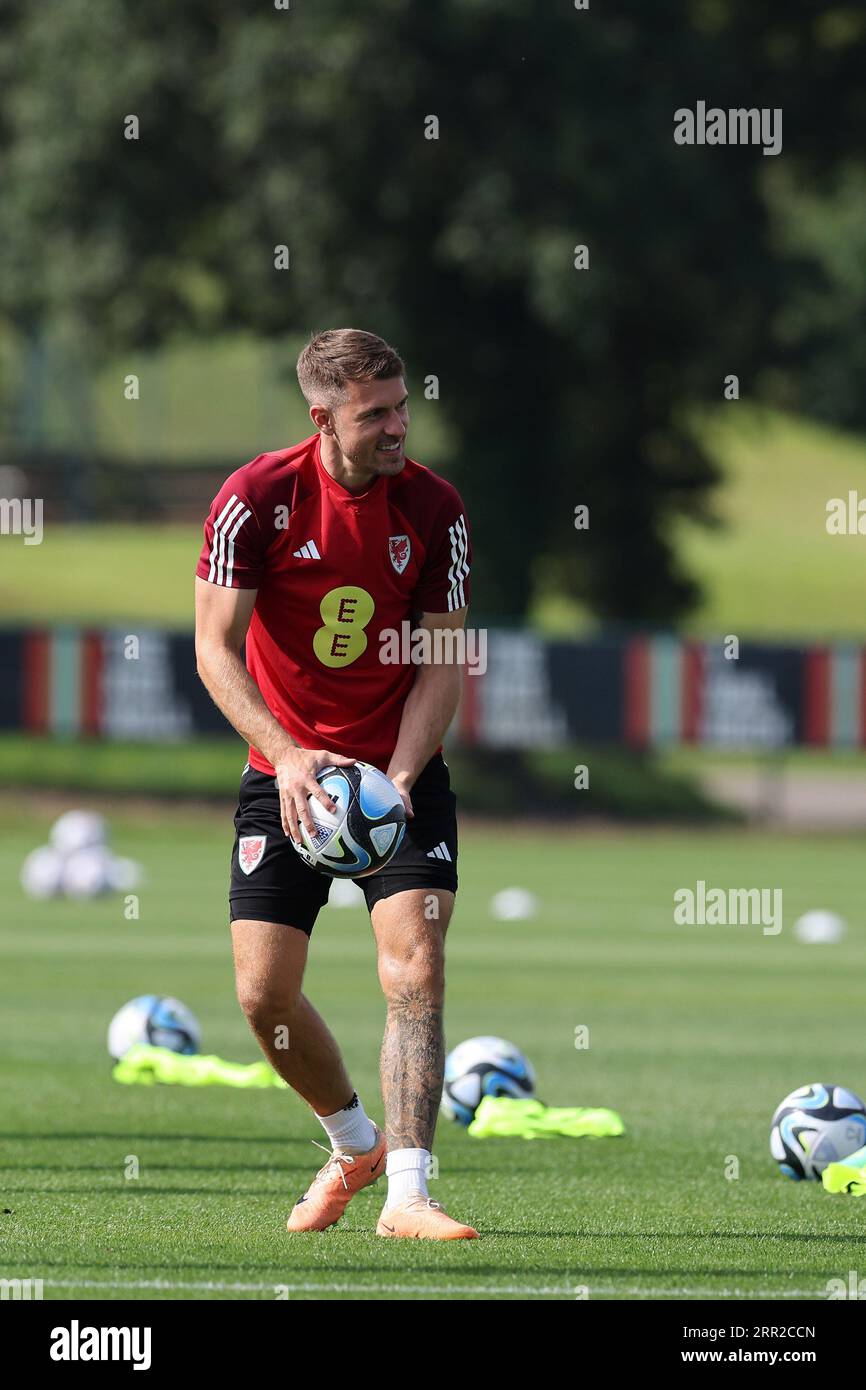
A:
[413, 1066]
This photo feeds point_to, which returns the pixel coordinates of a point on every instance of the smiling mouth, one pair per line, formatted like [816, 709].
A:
[390, 448]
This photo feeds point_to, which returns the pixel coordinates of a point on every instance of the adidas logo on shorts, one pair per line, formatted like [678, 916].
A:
[440, 852]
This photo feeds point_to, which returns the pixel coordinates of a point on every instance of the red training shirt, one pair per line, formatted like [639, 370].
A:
[333, 570]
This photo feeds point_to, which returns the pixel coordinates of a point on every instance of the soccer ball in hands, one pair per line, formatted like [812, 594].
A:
[157, 1020]
[484, 1067]
[814, 1126]
[366, 829]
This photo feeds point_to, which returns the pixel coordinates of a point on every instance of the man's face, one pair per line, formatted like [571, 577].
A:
[370, 426]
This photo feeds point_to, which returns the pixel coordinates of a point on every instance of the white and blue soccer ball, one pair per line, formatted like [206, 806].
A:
[484, 1067]
[816, 1125]
[155, 1019]
[364, 832]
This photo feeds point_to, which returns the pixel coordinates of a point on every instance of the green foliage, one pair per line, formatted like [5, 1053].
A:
[306, 127]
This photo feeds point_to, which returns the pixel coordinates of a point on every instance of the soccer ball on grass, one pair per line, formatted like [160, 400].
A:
[816, 1125]
[155, 1019]
[484, 1067]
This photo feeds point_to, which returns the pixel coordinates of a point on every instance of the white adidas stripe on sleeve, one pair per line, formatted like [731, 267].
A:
[222, 554]
[459, 567]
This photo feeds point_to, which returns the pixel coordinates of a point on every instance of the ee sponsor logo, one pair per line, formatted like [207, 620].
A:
[341, 639]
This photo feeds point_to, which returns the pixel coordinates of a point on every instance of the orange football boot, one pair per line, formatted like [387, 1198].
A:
[423, 1218]
[335, 1185]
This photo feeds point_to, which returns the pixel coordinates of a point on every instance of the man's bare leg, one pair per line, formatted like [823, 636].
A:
[269, 967]
[410, 932]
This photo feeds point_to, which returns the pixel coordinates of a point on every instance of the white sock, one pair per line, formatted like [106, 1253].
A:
[407, 1173]
[350, 1130]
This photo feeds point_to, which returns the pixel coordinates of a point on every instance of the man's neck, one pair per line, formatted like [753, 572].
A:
[341, 469]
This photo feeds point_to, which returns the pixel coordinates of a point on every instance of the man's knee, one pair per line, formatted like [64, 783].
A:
[265, 1004]
[413, 976]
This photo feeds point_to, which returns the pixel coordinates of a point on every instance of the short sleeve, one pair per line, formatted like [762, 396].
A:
[232, 554]
[443, 584]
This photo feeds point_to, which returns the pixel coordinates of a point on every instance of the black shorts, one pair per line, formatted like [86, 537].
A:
[280, 887]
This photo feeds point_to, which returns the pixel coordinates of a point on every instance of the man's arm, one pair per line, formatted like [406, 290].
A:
[222, 617]
[429, 708]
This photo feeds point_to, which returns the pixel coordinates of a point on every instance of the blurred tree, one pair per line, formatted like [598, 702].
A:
[306, 127]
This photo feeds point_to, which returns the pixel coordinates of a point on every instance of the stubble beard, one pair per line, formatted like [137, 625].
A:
[368, 460]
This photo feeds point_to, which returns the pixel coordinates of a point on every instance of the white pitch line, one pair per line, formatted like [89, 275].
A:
[211, 1286]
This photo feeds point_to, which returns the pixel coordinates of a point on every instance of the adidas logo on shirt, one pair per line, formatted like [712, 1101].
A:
[308, 551]
[440, 852]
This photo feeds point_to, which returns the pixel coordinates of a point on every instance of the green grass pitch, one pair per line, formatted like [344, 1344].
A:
[695, 1034]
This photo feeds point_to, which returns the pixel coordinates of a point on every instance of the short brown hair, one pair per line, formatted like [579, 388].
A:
[339, 355]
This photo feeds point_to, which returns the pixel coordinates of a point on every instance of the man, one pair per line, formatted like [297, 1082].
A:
[309, 554]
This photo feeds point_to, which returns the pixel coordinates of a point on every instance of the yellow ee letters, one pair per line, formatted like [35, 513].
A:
[345, 613]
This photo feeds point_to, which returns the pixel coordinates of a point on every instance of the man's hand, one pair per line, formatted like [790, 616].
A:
[296, 770]
[402, 784]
